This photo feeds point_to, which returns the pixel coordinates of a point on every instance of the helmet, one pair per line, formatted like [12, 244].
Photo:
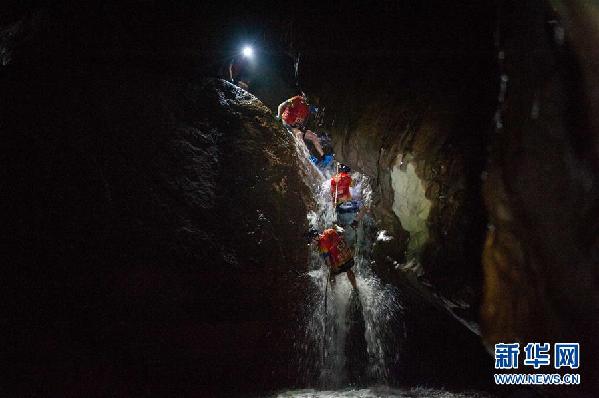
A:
[311, 234]
[344, 168]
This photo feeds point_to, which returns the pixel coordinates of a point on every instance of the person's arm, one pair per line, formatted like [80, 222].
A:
[329, 263]
[281, 109]
[327, 259]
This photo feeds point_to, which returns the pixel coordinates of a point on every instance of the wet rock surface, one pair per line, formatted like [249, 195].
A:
[150, 221]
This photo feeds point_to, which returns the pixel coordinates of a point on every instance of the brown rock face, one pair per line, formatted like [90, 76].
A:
[541, 250]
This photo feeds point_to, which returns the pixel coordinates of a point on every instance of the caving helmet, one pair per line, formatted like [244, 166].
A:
[343, 168]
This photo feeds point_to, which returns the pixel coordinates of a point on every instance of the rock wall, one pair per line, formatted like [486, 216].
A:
[432, 117]
[541, 250]
[152, 235]
[417, 120]
[154, 206]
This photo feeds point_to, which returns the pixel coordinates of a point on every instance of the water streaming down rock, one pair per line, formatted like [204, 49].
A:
[350, 338]
[377, 392]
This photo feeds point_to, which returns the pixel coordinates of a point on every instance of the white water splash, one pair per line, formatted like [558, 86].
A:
[381, 392]
[383, 237]
[332, 312]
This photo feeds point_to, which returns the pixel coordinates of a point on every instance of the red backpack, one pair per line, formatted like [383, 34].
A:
[296, 111]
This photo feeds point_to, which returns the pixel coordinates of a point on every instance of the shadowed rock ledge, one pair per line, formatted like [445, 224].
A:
[150, 221]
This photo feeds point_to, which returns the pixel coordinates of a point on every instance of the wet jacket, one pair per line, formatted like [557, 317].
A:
[332, 245]
[340, 184]
[296, 111]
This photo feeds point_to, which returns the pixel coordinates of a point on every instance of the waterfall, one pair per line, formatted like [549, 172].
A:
[350, 338]
[351, 341]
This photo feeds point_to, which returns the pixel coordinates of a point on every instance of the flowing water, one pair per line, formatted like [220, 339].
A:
[379, 392]
[351, 338]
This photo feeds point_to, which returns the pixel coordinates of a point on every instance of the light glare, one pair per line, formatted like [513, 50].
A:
[248, 51]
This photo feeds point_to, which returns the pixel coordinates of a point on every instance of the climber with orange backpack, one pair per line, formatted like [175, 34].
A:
[294, 113]
[335, 252]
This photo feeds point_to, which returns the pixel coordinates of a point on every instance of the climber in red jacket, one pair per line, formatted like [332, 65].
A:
[294, 112]
[336, 253]
[349, 212]
[340, 184]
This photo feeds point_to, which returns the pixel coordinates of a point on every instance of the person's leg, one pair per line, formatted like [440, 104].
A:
[313, 138]
[298, 133]
[352, 278]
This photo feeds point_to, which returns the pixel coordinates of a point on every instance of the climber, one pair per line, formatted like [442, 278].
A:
[349, 212]
[335, 252]
[237, 72]
[294, 112]
[240, 68]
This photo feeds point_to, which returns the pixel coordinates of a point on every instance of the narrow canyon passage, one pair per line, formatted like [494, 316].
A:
[353, 338]
[157, 204]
